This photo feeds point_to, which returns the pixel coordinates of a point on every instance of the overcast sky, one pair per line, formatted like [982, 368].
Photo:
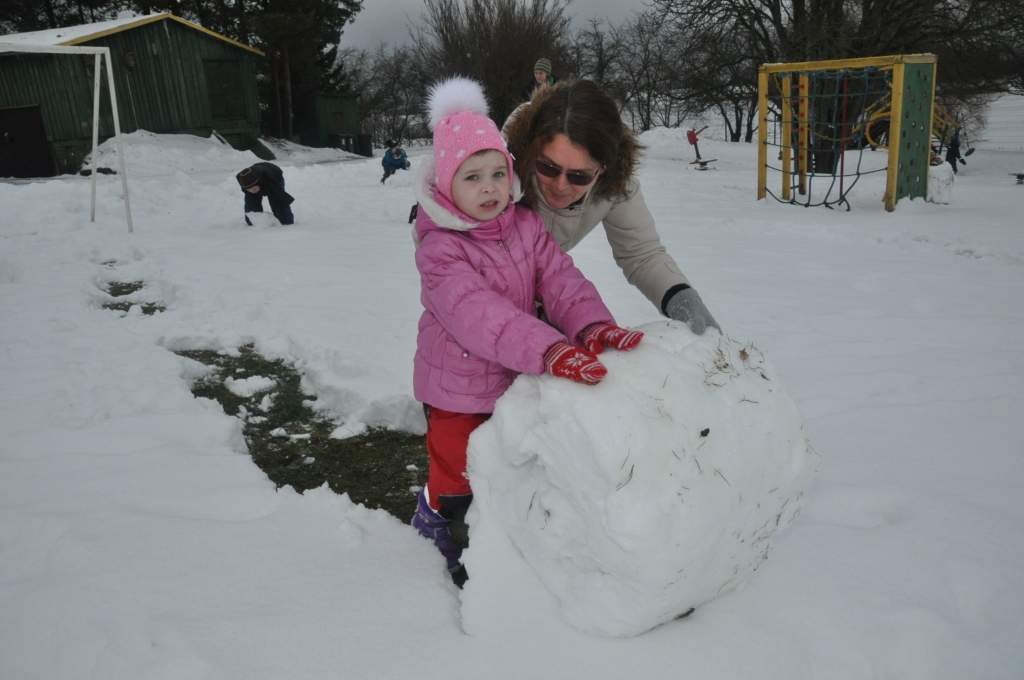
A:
[389, 21]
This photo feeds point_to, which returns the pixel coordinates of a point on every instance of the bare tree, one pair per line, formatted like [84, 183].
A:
[32, 15]
[391, 91]
[597, 53]
[980, 43]
[645, 75]
[716, 70]
[494, 41]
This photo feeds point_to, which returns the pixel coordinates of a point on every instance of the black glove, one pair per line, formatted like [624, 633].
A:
[686, 306]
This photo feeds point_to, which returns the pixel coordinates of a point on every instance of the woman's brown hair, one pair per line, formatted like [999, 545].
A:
[584, 113]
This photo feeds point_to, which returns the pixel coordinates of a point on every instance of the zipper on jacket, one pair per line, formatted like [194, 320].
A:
[522, 284]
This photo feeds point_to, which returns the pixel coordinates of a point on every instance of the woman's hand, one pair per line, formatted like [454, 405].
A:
[686, 306]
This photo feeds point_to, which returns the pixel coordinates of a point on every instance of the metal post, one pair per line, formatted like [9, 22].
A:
[842, 139]
[787, 137]
[931, 122]
[97, 66]
[117, 137]
[762, 132]
[895, 120]
[803, 132]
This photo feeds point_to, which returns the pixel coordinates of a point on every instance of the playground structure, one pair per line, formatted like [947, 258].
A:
[825, 110]
[693, 137]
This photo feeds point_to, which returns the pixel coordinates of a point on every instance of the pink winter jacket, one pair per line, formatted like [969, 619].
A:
[478, 283]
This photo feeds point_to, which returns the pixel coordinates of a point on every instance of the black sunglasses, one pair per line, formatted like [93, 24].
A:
[580, 178]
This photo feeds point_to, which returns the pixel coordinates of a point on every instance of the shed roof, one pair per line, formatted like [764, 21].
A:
[83, 33]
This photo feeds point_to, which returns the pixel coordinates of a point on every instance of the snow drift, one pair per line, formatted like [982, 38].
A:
[651, 493]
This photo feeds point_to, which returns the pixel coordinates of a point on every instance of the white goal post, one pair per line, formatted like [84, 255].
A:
[99, 53]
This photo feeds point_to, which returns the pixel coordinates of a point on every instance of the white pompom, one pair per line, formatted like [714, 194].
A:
[453, 96]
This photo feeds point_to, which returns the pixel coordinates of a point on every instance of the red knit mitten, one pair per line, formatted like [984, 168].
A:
[597, 336]
[566, 361]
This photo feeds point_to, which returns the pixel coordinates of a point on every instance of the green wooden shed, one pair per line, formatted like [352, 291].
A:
[334, 117]
[171, 76]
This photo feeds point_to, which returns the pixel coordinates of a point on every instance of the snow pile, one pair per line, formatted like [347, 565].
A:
[940, 183]
[247, 387]
[150, 155]
[654, 492]
[287, 152]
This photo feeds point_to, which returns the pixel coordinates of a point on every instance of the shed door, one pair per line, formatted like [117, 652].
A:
[24, 151]
[224, 89]
[338, 123]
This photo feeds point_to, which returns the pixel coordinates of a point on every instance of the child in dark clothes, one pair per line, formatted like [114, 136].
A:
[394, 160]
[266, 179]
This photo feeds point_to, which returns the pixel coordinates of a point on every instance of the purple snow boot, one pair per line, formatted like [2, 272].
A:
[449, 535]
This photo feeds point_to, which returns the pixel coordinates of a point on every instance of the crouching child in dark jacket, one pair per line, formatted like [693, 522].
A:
[266, 179]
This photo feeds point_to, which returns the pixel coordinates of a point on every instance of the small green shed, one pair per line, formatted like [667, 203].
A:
[334, 116]
[171, 76]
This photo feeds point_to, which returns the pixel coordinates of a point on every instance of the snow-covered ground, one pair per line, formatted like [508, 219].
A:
[138, 540]
[1005, 119]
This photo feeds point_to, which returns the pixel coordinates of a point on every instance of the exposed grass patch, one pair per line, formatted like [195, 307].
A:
[122, 288]
[148, 308]
[291, 442]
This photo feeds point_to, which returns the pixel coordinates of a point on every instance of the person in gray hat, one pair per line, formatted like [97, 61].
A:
[542, 77]
[266, 179]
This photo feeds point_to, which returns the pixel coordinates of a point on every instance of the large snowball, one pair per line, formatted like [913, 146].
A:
[639, 498]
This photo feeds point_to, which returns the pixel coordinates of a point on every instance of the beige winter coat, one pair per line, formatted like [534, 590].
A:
[628, 224]
[630, 229]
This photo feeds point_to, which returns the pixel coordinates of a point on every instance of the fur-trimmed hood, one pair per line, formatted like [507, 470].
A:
[519, 130]
[440, 210]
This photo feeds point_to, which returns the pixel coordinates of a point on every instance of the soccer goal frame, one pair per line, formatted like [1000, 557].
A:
[100, 54]
[904, 109]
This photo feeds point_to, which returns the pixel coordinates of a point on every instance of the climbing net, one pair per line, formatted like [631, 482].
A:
[818, 120]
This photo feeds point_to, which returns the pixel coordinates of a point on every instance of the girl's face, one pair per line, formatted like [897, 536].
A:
[481, 186]
[576, 172]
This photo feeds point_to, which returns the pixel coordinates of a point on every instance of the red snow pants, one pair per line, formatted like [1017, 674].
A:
[447, 438]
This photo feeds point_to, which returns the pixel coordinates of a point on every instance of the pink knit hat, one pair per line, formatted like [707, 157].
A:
[458, 117]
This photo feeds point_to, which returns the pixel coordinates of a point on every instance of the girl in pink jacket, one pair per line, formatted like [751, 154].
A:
[483, 262]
